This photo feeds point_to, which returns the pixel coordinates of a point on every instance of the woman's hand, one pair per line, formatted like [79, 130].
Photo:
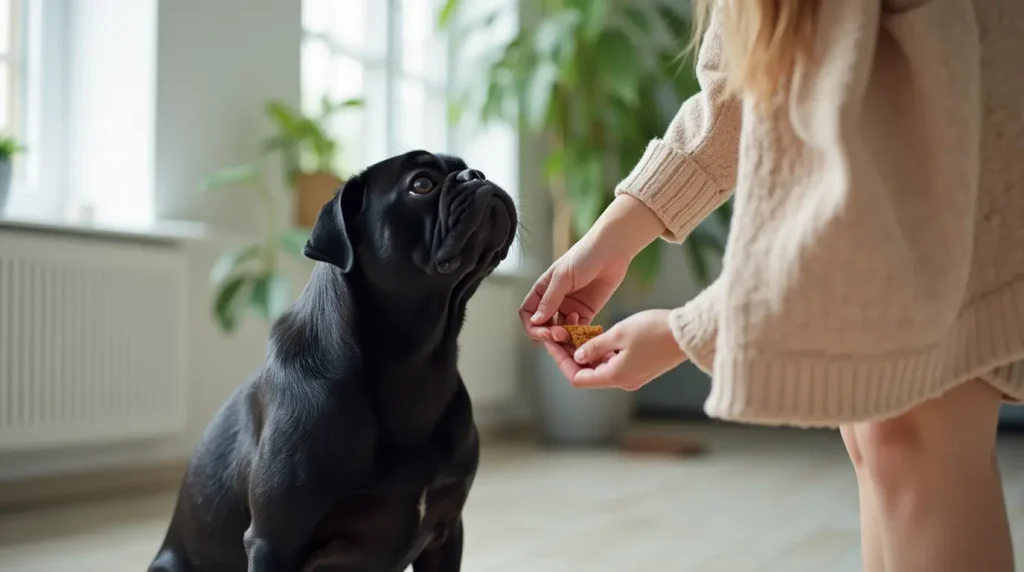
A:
[578, 285]
[628, 356]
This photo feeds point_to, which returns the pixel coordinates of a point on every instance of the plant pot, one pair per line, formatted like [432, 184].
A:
[312, 192]
[576, 418]
[5, 184]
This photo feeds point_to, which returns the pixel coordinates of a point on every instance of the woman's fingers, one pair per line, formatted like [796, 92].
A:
[594, 350]
[529, 307]
[560, 334]
[604, 375]
[551, 296]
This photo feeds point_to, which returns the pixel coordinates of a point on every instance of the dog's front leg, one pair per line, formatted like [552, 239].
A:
[302, 466]
[284, 515]
[443, 557]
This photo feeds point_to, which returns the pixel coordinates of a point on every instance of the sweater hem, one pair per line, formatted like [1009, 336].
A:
[828, 391]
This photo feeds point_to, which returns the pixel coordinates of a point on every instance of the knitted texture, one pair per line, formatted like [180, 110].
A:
[876, 256]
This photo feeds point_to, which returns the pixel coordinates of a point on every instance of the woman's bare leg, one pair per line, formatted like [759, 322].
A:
[937, 490]
[872, 556]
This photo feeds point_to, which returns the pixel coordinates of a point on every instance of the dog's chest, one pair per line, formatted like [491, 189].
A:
[421, 505]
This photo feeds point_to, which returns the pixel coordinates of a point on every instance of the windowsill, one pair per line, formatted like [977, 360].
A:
[160, 231]
[171, 232]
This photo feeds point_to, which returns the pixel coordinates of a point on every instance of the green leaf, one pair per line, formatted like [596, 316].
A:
[447, 14]
[228, 177]
[584, 187]
[293, 241]
[619, 70]
[594, 15]
[229, 303]
[554, 165]
[287, 120]
[10, 146]
[349, 103]
[329, 107]
[229, 262]
[456, 110]
[270, 295]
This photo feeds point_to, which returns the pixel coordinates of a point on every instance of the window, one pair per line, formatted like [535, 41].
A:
[12, 81]
[10, 66]
[78, 81]
[389, 53]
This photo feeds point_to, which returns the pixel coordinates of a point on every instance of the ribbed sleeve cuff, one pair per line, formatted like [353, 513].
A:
[675, 187]
[695, 327]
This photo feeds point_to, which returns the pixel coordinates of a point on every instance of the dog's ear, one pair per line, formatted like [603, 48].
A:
[334, 237]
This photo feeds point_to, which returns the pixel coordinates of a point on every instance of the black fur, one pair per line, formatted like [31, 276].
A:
[320, 460]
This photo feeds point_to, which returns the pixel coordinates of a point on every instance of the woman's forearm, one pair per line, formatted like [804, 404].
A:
[627, 226]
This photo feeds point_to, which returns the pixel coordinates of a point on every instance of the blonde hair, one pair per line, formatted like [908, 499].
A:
[763, 41]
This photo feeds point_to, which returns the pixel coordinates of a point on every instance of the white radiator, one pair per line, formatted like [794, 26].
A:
[92, 340]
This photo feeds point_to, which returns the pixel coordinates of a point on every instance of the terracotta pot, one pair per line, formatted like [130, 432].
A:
[312, 192]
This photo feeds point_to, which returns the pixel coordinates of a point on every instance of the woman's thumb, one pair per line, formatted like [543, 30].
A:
[596, 348]
[552, 298]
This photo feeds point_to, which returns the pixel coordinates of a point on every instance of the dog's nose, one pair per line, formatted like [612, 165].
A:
[470, 175]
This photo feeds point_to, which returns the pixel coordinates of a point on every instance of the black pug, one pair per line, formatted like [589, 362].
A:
[354, 448]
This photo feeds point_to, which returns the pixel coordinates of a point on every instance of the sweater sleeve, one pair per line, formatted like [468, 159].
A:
[692, 169]
[695, 326]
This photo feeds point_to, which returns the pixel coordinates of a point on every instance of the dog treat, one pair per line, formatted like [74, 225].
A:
[580, 334]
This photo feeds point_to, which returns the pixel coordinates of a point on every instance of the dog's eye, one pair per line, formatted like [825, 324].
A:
[422, 185]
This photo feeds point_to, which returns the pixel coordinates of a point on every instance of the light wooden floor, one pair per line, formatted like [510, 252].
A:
[761, 500]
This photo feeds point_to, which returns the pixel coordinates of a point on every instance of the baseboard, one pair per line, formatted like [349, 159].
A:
[35, 492]
[504, 433]
[44, 491]
[38, 492]
[649, 413]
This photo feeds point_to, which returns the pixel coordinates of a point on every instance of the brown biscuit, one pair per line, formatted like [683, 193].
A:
[580, 334]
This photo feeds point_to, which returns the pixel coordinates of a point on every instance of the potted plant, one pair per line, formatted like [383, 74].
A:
[9, 147]
[596, 81]
[250, 277]
[308, 153]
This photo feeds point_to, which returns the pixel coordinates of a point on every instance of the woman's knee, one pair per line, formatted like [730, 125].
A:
[953, 432]
[891, 450]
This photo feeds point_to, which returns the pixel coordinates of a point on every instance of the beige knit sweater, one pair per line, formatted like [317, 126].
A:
[876, 256]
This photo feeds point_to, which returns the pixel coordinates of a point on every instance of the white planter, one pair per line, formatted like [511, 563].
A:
[571, 417]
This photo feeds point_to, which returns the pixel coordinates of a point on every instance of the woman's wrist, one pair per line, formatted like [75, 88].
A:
[628, 225]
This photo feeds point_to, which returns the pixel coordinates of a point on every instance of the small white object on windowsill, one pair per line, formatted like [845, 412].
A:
[85, 214]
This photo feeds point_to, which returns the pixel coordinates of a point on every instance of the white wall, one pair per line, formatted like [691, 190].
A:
[218, 61]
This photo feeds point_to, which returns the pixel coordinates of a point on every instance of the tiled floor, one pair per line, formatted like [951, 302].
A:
[761, 500]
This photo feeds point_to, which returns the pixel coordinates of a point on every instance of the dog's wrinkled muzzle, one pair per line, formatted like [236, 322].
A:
[467, 203]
